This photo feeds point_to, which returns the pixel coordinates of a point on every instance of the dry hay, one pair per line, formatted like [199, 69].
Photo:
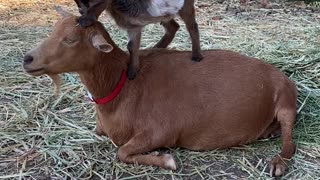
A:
[42, 136]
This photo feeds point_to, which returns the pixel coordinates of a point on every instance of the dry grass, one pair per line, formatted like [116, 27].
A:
[43, 137]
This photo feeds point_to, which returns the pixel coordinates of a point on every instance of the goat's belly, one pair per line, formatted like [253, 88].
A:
[145, 20]
[223, 133]
[214, 141]
[158, 8]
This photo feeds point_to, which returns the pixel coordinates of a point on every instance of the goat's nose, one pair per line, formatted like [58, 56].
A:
[27, 59]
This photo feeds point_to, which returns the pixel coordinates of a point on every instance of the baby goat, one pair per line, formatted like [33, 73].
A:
[226, 100]
[133, 15]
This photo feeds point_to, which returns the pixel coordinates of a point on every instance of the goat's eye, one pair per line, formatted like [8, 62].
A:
[69, 41]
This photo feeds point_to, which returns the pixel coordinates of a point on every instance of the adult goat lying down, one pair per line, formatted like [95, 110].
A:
[228, 100]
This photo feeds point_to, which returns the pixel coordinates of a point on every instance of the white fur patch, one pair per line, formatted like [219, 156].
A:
[164, 7]
[169, 162]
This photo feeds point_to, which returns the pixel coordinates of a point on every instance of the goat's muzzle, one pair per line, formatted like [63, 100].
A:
[28, 66]
[27, 60]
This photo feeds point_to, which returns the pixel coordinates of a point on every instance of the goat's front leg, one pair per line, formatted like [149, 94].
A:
[82, 6]
[78, 2]
[132, 152]
[133, 48]
[90, 14]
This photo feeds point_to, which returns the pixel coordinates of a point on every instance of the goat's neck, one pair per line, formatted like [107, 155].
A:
[105, 74]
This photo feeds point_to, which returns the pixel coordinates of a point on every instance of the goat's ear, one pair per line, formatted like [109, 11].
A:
[100, 43]
[62, 12]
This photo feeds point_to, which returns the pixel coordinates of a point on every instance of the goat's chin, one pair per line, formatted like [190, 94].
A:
[57, 82]
[35, 72]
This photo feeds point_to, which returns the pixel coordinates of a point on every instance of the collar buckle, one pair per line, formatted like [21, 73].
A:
[113, 94]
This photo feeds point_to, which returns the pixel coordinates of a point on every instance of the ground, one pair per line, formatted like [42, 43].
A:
[43, 136]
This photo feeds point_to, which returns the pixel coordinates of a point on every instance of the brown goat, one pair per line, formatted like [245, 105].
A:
[133, 15]
[227, 100]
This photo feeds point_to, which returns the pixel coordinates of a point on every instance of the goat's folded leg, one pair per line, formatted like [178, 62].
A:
[86, 20]
[90, 14]
[133, 48]
[79, 4]
[187, 14]
[131, 152]
[286, 118]
[171, 28]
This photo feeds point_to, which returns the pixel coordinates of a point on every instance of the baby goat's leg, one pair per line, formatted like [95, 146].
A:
[187, 13]
[286, 118]
[133, 48]
[90, 14]
[78, 2]
[131, 152]
[171, 28]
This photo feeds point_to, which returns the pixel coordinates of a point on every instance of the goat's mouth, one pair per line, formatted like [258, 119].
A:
[35, 72]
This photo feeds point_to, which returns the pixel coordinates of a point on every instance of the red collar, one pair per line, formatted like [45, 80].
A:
[113, 94]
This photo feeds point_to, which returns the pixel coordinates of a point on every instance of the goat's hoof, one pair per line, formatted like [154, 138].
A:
[197, 58]
[131, 73]
[85, 21]
[277, 167]
[169, 162]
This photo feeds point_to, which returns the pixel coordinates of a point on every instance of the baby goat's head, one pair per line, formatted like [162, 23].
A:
[69, 48]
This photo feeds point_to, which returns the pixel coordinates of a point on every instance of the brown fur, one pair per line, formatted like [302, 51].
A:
[227, 100]
[134, 17]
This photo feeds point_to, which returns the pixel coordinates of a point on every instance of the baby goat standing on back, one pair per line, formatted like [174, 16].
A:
[133, 15]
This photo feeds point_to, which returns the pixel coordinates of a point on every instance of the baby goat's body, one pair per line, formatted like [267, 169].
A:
[227, 100]
[133, 15]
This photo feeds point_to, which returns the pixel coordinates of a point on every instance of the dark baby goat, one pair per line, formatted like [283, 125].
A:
[133, 15]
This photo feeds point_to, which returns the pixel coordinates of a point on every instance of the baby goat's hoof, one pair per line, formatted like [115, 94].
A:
[86, 21]
[197, 58]
[277, 167]
[131, 73]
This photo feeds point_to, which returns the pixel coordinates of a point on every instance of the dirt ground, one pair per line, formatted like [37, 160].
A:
[48, 137]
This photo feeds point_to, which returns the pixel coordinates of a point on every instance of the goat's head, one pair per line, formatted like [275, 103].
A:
[69, 48]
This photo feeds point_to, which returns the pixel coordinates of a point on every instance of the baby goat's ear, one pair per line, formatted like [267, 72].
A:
[62, 12]
[100, 43]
